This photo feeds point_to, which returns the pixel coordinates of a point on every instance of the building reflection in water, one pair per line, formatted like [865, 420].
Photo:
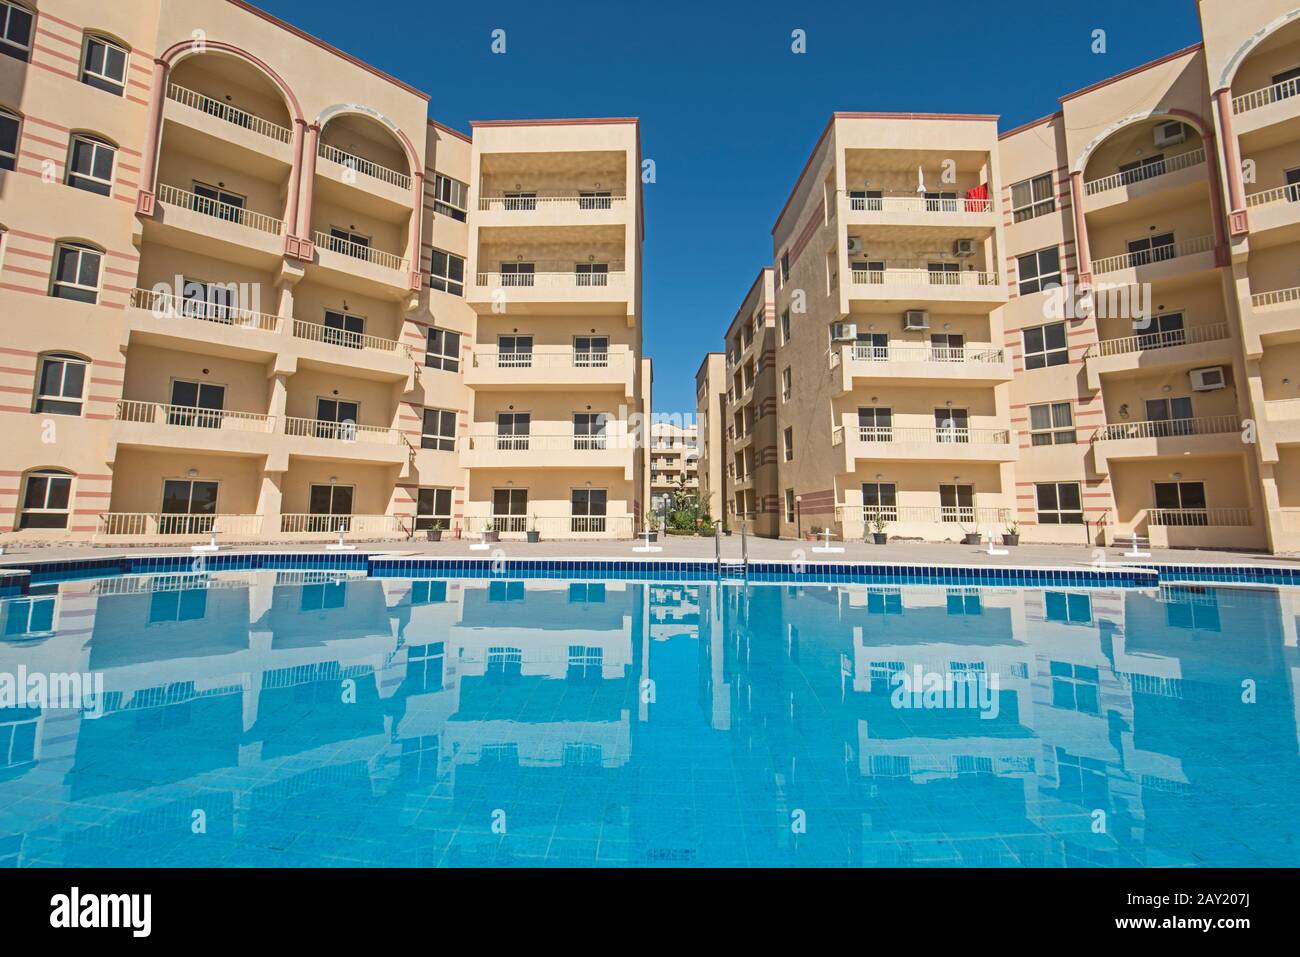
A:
[295, 718]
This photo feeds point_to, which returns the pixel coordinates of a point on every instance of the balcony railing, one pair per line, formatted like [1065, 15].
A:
[543, 442]
[364, 166]
[1289, 193]
[918, 204]
[528, 204]
[1168, 428]
[376, 525]
[971, 355]
[1158, 340]
[231, 114]
[1142, 173]
[922, 277]
[892, 514]
[1173, 517]
[1269, 94]
[192, 417]
[1156, 254]
[359, 251]
[183, 198]
[551, 526]
[1276, 297]
[345, 339]
[933, 436]
[157, 524]
[166, 305]
[342, 431]
[490, 358]
[556, 277]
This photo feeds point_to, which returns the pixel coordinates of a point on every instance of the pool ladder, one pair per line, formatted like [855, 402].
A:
[728, 568]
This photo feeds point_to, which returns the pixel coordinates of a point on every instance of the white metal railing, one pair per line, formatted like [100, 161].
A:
[175, 196]
[231, 114]
[367, 167]
[369, 254]
[153, 524]
[1168, 428]
[1289, 193]
[1269, 94]
[1275, 297]
[490, 357]
[552, 526]
[167, 305]
[972, 354]
[1149, 171]
[961, 514]
[922, 277]
[555, 278]
[544, 442]
[918, 204]
[345, 339]
[545, 200]
[1156, 254]
[192, 417]
[933, 436]
[298, 523]
[341, 431]
[1234, 517]
[1210, 332]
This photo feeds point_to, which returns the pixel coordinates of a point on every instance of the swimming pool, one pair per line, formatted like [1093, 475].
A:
[284, 717]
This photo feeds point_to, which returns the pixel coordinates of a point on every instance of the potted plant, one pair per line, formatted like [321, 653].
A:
[970, 538]
[1012, 535]
[814, 533]
[434, 532]
[652, 526]
[878, 526]
[533, 534]
[490, 531]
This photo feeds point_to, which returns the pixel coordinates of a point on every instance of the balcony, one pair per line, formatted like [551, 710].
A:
[554, 283]
[1165, 183]
[898, 288]
[305, 525]
[551, 369]
[1149, 439]
[927, 521]
[1231, 527]
[1281, 427]
[1276, 314]
[559, 208]
[1161, 262]
[346, 442]
[553, 450]
[198, 325]
[919, 364]
[556, 527]
[353, 353]
[1274, 216]
[354, 265]
[155, 425]
[1195, 345]
[1267, 106]
[212, 228]
[147, 526]
[218, 123]
[921, 444]
[976, 215]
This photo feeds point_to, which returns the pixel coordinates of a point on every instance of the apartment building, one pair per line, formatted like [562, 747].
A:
[1086, 328]
[264, 296]
[673, 460]
[711, 441]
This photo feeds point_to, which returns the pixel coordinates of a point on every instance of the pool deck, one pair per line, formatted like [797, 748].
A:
[687, 548]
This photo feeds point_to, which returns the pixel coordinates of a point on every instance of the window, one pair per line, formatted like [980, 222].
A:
[785, 268]
[330, 509]
[344, 329]
[9, 124]
[90, 164]
[517, 274]
[1032, 197]
[1059, 503]
[591, 352]
[515, 200]
[103, 65]
[442, 350]
[1170, 416]
[510, 513]
[514, 352]
[1046, 346]
[221, 203]
[1051, 423]
[188, 507]
[788, 443]
[433, 508]
[789, 506]
[875, 424]
[1292, 183]
[513, 430]
[1180, 503]
[880, 500]
[587, 508]
[15, 30]
[60, 385]
[785, 384]
[868, 271]
[1039, 270]
[589, 430]
[595, 199]
[449, 196]
[944, 274]
[337, 419]
[785, 327]
[1074, 687]
[76, 272]
[439, 430]
[345, 241]
[957, 503]
[951, 425]
[591, 274]
[1163, 330]
[866, 199]
[1072, 608]
[1142, 169]
[1152, 249]
[447, 272]
[46, 500]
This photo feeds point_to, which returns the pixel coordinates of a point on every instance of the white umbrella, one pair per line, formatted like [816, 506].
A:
[920, 180]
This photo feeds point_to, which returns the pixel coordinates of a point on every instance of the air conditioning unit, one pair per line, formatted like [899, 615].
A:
[916, 319]
[963, 247]
[1209, 379]
[1170, 134]
[844, 331]
[855, 246]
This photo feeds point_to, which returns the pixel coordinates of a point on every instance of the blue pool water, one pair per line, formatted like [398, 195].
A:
[285, 718]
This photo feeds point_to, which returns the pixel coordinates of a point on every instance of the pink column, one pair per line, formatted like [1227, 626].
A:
[291, 247]
[1237, 222]
[1082, 254]
[144, 202]
[417, 219]
[306, 245]
[1221, 255]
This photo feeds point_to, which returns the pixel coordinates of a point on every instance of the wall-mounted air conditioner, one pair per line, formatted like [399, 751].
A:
[915, 319]
[963, 247]
[1170, 134]
[854, 246]
[1208, 379]
[844, 331]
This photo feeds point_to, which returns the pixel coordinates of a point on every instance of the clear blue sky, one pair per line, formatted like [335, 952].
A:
[728, 112]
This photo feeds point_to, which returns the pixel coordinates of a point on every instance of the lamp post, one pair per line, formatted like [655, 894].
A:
[798, 516]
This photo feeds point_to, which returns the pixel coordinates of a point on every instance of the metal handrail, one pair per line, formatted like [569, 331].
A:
[194, 417]
[1149, 171]
[168, 305]
[1156, 254]
[231, 114]
[368, 167]
[185, 199]
[369, 254]
[1168, 428]
[1167, 339]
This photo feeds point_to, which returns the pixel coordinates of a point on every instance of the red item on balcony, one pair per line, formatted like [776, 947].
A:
[977, 199]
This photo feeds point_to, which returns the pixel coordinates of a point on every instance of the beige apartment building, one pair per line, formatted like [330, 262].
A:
[673, 461]
[711, 438]
[941, 372]
[253, 290]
